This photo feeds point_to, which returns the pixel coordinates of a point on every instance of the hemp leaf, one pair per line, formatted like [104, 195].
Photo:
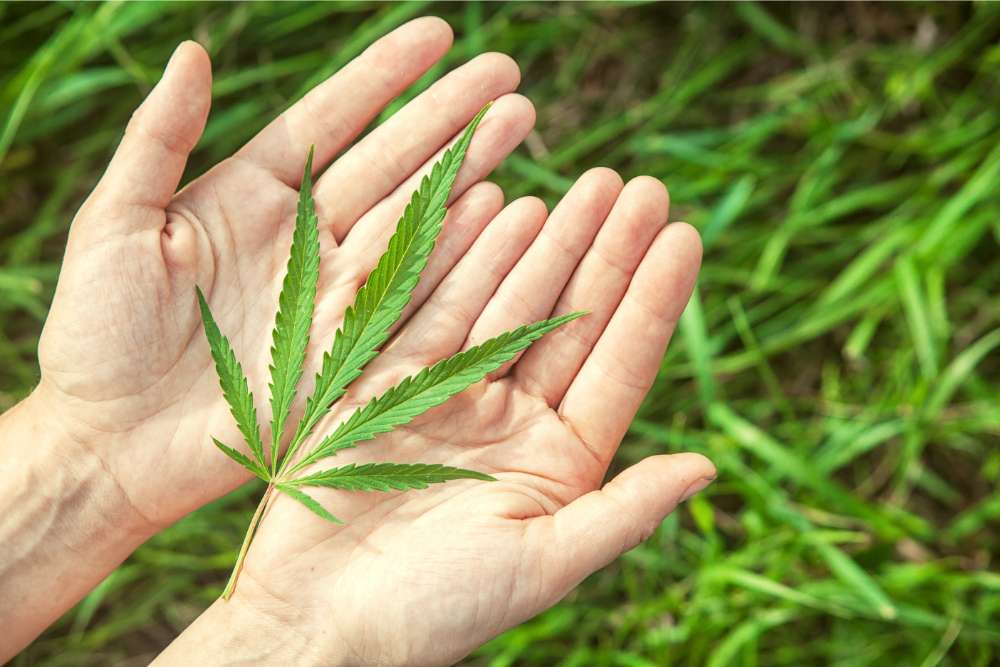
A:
[366, 326]
[295, 312]
[235, 390]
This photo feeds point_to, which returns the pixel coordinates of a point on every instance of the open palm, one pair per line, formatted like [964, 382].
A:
[125, 368]
[424, 577]
[416, 578]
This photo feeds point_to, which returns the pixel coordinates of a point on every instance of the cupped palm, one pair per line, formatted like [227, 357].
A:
[424, 577]
[125, 368]
[126, 371]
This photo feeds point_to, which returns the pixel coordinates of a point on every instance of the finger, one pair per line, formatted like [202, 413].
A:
[399, 146]
[600, 526]
[597, 286]
[605, 395]
[147, 167]
[440, 326]
[505, 125]
[333, 113]
[533, 286]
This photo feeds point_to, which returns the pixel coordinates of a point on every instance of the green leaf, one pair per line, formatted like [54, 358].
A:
[308, 501]
[295, 312]
[387, 476]
[243, 460]
[431, 387]
[388, 289]
[233, 382]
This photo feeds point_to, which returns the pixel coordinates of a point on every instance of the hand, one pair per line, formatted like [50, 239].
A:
[424, 577]
[125, 369]
[121, 419]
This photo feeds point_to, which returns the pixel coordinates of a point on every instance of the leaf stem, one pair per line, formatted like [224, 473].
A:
[254, 522]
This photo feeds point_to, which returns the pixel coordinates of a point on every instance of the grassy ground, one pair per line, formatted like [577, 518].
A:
[840, 362]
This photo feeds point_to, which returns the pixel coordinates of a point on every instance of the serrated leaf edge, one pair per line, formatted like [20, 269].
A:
[293, 320]
[226, 365]
[308, 501]
[390, 476]
[498, 350]
[332, 381]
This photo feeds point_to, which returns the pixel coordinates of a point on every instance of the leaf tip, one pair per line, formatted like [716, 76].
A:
[307, 171]
[200, 295]
[479, 117]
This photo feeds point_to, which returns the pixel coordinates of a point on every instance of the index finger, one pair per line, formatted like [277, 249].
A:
[334, 113]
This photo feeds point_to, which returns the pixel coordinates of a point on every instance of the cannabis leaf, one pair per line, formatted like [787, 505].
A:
[310, 503]
[295, 312]
[381, 300]
[367, 323]
[430, 387]
[241, 458]
[234, 384]
[386, 476]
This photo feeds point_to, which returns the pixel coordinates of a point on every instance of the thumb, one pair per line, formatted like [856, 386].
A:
[147, 167]
[598, 527]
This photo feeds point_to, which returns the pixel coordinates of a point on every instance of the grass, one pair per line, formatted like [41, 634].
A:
[840, 361]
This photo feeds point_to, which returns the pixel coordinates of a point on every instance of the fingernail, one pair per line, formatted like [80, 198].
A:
[696, 486]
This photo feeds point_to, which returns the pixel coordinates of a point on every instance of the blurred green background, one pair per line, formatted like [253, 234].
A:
[840, 361]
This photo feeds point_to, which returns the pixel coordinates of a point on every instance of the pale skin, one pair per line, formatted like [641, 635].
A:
[121, 419]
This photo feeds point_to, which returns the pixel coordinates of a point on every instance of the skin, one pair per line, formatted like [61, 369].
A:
[129, 398]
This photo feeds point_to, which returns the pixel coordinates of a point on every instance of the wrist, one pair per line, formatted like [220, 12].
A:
[256, 627]
[66, 524]
[81, 474]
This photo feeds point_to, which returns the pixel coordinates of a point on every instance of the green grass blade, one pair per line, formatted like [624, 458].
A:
[431, 387]
[729, 209]
[308, 501]
[243, 460]
[769, 588]
[854, 577]
[694, 333]
[913, 298]
[233, 382]
[747, 633]
[387, 476]
[958, 372]
[295, 312]
[388, 289]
